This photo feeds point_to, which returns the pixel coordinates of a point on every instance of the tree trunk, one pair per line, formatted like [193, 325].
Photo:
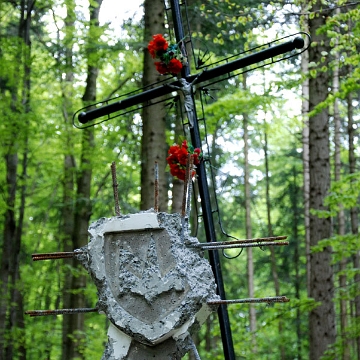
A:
[75, 341]
[354, 213]
[153, 146]
[295, 200]
[250, 262]
[11, 303]
[68, 217]
[306, 156]
[270, 233]
[341, 215]
[322, 318]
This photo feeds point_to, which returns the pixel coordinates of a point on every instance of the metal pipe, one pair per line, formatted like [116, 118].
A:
[147, 95]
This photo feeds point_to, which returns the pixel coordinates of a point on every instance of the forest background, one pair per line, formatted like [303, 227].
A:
[281, 144]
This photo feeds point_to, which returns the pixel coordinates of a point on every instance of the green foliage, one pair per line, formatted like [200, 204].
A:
[225, 28]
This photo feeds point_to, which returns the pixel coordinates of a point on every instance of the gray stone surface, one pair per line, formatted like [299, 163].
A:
[151, 286]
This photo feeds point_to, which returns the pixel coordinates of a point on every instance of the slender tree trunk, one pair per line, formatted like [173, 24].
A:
[295, 198]
[75, 342]
[306, 182]
[270, 233]
[306, 156]
[68, 217]
[322, 319]
[341, 215]
[153, 147]
[354, 213]
[250, 261]
[11, 303]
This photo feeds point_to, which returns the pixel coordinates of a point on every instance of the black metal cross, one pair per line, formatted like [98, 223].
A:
[161, 90]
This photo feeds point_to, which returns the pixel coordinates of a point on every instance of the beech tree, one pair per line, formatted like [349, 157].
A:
[322, 330]
[153, 146]
[16, 115]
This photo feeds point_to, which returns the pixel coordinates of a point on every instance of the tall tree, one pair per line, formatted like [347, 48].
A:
[67, 221]
[341, 214]
[322, 331]
[153, 144]
[16, 163]
[354, 222]
[250, 260]
[305, 148]
[74, 343]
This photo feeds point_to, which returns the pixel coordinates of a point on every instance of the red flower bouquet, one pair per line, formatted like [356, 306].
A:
[177, 159]
[169, 55]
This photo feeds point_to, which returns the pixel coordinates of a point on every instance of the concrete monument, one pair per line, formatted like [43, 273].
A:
[151, 284]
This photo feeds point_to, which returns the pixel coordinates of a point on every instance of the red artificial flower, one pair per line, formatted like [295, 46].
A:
[161, 67]
[174, 66]
[197, 155]
[160, 49]
[157, 46]
[178, 156]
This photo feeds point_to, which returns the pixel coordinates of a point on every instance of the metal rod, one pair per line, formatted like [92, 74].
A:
[60, 311]
[239, 246]
[194, 350]
[188, 204]
[185, 191]
[145, 96]
[275, 299]
[115, 188]
[156, 187]
[54, 255]
[242, 241]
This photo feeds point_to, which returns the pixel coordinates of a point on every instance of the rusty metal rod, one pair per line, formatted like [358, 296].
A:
[115, 188]
[55, 255]
[274, 299]
[240, 246]
[191, 169]
[156, 187]
[186, 180]
[241, 241]
[60, 311]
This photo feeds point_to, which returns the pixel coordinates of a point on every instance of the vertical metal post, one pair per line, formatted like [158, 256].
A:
[214, 258]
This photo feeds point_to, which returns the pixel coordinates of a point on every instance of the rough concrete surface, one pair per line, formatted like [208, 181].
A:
[151, 285]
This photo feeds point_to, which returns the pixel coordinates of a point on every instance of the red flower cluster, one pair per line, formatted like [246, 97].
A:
[160, 49]
[177, 158]
[158, 46]
[173, 67]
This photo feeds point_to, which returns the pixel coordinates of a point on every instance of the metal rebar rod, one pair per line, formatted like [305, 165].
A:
[240, 246]
[186, 180]
[242, 241]
[115, 188]
[60, 311]
[191, 169]
[156, 187]
[54, 255]
[195, 351]
[274, 299]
